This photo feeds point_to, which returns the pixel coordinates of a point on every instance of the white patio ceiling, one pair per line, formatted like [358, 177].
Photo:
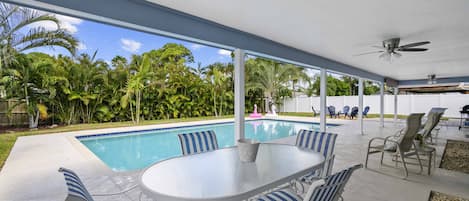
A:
[339, 29]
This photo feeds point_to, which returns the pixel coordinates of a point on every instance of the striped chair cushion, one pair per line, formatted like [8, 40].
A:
[334, 185]
[198, 142]
[76, 189]
[281, 195]
[320, 142]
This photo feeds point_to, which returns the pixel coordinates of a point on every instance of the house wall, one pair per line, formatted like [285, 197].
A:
[406, 103]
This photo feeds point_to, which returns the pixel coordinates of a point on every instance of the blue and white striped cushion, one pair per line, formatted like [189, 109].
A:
[333, 186]
[321, 142]
[198, 142]
[281, 195]
[76, 189]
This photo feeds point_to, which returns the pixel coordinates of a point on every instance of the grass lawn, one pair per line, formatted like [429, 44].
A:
[7, 140]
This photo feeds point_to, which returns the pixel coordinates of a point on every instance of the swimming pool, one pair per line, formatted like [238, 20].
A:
[137, 150]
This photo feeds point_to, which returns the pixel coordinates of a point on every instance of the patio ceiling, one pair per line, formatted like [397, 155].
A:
[338, 30]
[316, 33]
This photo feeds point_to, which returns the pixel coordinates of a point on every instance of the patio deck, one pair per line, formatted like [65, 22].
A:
[33, 163]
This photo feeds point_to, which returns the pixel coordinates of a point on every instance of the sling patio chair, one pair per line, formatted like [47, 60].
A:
[328, 189]
[320, 142]
[354, 112]
[399, 146]
[198, 142]
[331, 110]
[432, 121]
[365, 111]
[77, 190]
[345, 111]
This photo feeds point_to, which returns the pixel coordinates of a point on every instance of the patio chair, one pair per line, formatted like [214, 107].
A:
[314, 111]
[328, 189]
[198, 142]
[365, 111]
[354, 112]
[401, 145]
[345, 111]
[331, 110]
[321, 142]
[426, 130]
[77, 190]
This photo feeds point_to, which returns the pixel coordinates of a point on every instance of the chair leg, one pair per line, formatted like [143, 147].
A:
[420, 162]
[366, 159]
[382, 156]
[405, 165]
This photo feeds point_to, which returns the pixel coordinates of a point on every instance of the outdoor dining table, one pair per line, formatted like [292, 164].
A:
[220, 175]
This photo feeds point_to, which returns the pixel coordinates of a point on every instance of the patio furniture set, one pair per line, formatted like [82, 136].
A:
[346, 112]
[413, 141]
[218, 174]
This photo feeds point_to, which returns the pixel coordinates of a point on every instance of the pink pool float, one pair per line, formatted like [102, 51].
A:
[255, 114]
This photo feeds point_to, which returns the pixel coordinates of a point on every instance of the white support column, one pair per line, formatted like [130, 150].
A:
[360, 103]
[323, 95]
[381, 104]
[396, 91]
[239, 93]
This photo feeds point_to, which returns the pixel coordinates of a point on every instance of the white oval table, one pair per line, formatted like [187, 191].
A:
[220, 175]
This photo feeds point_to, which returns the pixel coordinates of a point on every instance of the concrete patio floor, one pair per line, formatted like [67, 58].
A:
[30, 173]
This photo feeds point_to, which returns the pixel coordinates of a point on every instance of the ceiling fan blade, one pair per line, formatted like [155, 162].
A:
[378, 46]
[374, 52]
[412, 49]
[396, 54]
[385, 56]
[415, 44]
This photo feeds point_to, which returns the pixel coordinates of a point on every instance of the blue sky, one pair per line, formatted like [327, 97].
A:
[110, 41]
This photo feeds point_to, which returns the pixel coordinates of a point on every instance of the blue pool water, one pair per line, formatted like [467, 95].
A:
[137, 150]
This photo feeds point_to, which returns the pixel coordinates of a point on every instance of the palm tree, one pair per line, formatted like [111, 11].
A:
[272, 78]
[135, 85]
[13, 40]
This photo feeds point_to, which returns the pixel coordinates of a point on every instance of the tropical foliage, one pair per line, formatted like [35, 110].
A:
[158, 84]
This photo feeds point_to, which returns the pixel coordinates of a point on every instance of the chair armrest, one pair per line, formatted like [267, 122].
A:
[384, 139]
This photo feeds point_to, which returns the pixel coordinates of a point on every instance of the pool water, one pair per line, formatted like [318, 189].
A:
[137, 150]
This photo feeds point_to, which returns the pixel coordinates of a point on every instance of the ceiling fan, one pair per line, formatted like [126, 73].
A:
[391, 48]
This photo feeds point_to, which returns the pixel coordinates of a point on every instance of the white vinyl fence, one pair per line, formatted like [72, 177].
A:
[406, 103]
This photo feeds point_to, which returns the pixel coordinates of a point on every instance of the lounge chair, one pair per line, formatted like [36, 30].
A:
[345, 111]
[321, 142]
[354, 112]
[331, 110]
[198, 142]
[401, 145]
[426, 130]
[365, 111]
[328, 189]
[77, 190]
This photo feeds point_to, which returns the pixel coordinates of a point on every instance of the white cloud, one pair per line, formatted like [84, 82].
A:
[81, 46]
[130, 45]
[70, 24]
[224, 52]
[197, 46]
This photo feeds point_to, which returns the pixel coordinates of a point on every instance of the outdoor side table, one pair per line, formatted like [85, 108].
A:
[220, 175]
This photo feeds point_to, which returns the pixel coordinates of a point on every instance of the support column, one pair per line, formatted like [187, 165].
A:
[360, 103]
[396, 91]
[323, 95]
[381, 104]
[239, 94]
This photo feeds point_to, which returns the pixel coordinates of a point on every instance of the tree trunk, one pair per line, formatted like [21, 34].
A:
[215, 103]
[137, 107]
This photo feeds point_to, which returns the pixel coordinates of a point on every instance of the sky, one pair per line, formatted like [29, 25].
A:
[110, 41]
